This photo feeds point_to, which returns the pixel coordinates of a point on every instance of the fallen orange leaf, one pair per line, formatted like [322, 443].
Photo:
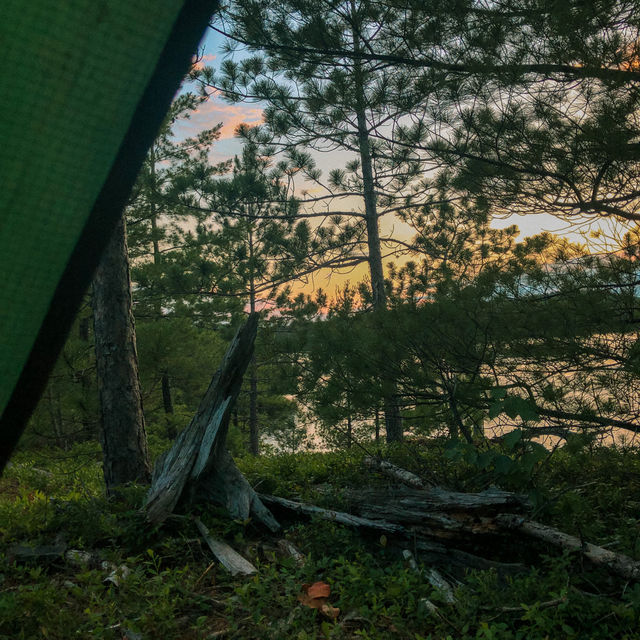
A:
[318, 590]
[315, 596]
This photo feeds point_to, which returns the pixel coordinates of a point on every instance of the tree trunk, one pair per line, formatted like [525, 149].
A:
[392, 417]
[370, 207]
[123, 436]
[167, 401]
[254, 435]
[154, 212]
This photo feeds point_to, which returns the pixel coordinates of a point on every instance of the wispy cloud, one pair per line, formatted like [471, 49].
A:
[204, 60]
[214, 111]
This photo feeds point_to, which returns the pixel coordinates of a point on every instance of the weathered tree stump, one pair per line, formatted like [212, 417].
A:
[198, 466]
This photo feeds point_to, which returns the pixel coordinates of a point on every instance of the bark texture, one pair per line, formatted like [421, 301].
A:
[123, 435]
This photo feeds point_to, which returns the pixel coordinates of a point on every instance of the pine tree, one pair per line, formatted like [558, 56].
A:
[252, 243]
[538, 103]
[322, 93]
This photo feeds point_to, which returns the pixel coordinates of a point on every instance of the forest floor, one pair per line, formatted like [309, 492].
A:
[124, 579]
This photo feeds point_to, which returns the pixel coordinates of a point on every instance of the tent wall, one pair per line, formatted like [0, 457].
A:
[85, 87]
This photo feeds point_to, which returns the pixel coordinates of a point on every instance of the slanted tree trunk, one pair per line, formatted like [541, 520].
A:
[123, 436]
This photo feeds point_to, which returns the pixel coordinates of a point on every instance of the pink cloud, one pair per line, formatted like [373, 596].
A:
[214, 111]
[202, 62]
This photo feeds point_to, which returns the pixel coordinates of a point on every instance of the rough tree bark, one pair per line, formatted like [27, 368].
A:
[254, 434]
[123, 436]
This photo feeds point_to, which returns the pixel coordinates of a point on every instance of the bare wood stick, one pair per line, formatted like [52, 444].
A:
[328, 514]
[228, 557]
[618, 563]
[434, 578]
[291, 550]
[437, 581]
[394, 472]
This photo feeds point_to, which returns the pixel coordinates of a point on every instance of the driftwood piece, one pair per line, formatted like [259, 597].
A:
[230, 559]
[616, 562]
[441, 538]
[434, 578]
[198, 465]
[225, 485]
[394, 472]
[290, 550]
[336, 516]
[437, 581]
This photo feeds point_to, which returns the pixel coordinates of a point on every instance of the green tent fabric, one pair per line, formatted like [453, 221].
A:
[84, 86]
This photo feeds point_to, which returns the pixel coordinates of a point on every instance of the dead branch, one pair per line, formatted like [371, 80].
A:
[616, 562]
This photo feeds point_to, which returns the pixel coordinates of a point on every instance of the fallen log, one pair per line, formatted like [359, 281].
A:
[435, 512]
[617, 563]
[411, 505]
[432, 547]
[198, 466]
[329, 514]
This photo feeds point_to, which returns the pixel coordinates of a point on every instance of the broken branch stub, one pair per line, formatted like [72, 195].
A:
[394, 472]
[229, 558]
[198, 465]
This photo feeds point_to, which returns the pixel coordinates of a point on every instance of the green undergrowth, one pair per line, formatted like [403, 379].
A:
[173, 588]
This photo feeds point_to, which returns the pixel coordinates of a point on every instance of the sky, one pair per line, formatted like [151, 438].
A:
[216, 111]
